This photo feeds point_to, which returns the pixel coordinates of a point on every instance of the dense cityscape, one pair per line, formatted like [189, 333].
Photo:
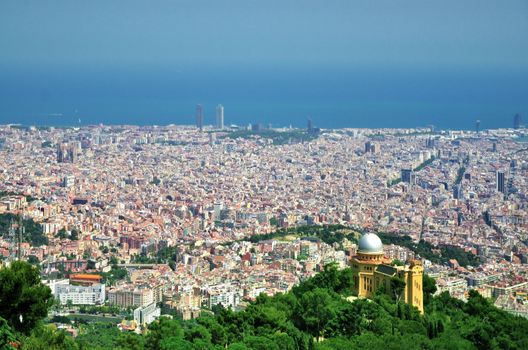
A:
[264, 175]
[127, 223]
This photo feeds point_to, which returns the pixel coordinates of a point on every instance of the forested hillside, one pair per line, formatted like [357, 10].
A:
[314, 315]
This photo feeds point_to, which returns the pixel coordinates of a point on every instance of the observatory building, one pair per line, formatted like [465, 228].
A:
[372, 270]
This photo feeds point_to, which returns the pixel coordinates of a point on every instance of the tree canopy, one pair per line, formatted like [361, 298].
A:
[32, 230]
[315, 315]
[425, 250]
[24, 300]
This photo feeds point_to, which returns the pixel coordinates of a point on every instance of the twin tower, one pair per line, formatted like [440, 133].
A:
[219, 117]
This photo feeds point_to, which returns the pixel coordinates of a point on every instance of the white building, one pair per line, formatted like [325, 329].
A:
[68, 181]
[226, 294]
[79, 295]
[146, 314]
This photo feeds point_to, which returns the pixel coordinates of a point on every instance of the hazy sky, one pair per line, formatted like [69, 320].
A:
[344, 63]
[430, 34]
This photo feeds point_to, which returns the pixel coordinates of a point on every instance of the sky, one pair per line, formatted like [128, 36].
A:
[169, 33]
[145, 38]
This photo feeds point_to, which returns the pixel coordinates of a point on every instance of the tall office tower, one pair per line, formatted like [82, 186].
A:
[199, 117]
[517, 121]
[407, 175]
[371, 147]
[256, 127]
[477, 126]
[430, 143]
[457, 191]
[368, 146]
[309, 127]
[501, 182]
[220, 117]
[61, 153]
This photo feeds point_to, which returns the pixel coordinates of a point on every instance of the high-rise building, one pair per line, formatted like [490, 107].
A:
[220, 117]
[311, 129]
[371, 147]
[477, 126]
[199, 117]
[368, 145]
[501, 182]
[430, 143]
[457, 191]
[407, 175]
[256, 127]
[517, 121]
[212, 138]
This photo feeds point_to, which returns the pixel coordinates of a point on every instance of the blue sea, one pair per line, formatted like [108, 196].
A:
[333, 97]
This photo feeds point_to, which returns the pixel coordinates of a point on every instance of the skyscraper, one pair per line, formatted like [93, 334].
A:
[477, 126]
[407, 175]
[517, 121]
[368, 146]
[199, 117]
[220, 117]
[501, 183]
[457, 191]
[430, 143]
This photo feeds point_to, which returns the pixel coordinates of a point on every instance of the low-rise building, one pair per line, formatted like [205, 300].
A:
[91, 294]
[128, 295]
[146, 314]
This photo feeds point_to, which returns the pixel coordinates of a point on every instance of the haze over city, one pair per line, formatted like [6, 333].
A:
[346, 64]
[263, 175]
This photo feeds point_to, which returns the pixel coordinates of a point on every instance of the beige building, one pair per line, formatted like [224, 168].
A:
[372, 270]
[127, 297]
